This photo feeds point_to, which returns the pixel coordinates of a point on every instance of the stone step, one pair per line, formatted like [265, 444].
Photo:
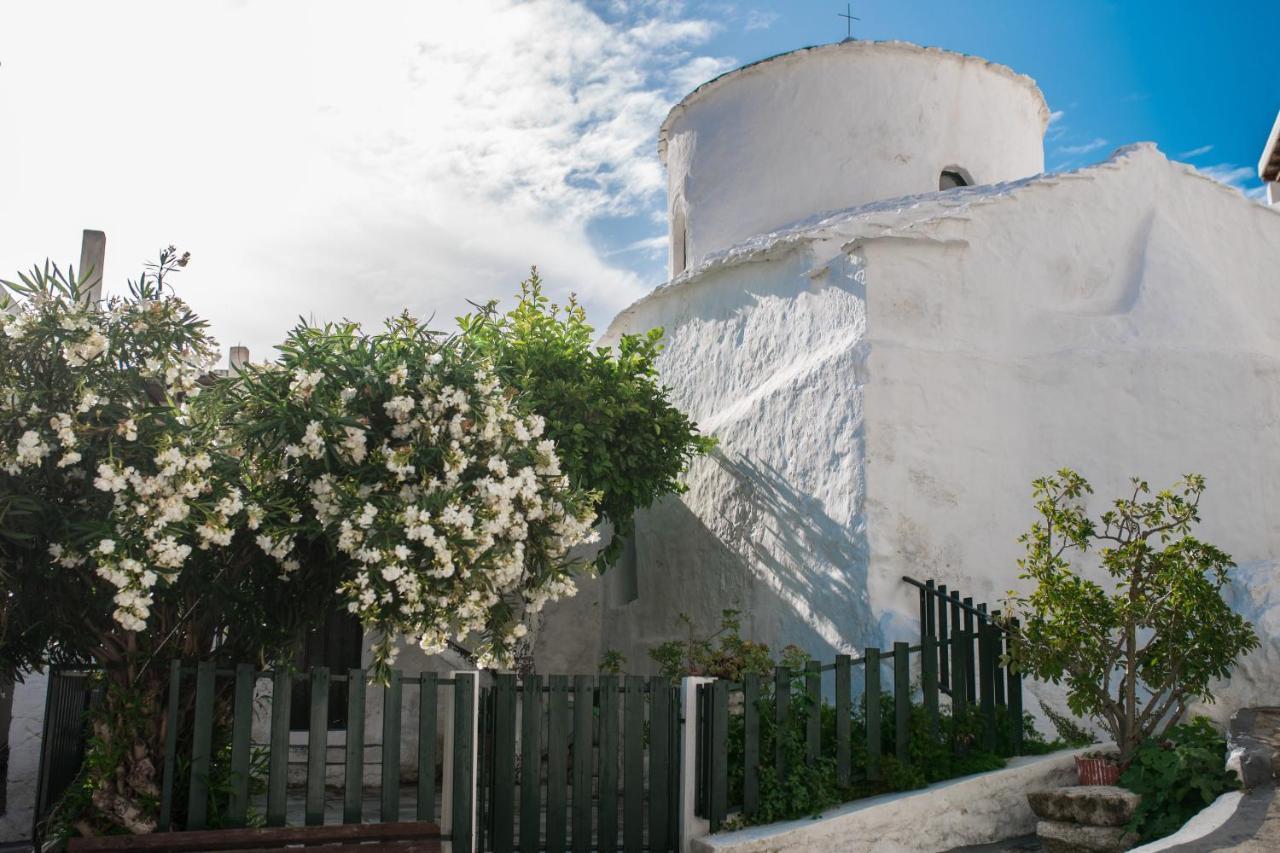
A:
[1091, 805]
[1062, 837]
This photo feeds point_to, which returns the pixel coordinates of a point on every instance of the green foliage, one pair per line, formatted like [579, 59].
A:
[1177, 776]
[616, 431]
[612, 662]
[721, 654]
[1164, 633]
[1069, 731]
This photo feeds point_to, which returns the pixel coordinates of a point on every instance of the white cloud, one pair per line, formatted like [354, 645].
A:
[326, 164]
[758, 20]
[1084, 148]
[1196, 152]
[1242, 178]
[1056, 116]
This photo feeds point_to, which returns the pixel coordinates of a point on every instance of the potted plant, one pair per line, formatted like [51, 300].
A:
[1130, 659]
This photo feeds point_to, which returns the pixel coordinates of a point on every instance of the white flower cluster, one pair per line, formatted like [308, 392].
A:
[449, 502]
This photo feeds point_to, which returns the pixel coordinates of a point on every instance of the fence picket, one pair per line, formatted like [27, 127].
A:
[1014, 685]
[997, 651]
[633, 765]
[843, 723]
[944, 663]
[986, 663]
[557, 761]
[902, 701]
[353, 779]
[719, 752]
[201, 747]
[929, 683]
[170, 745]
[608, 820]
[504, 765]
[391, 705]
[871, 710]
[241, 730]
[531, 764]
[278, 769]
[464, 769]
[428, 693]
[317, 745]
[970, 667]
[750, 743]
[781, 708]
[659, 758]
[583, 708]
[813, 725]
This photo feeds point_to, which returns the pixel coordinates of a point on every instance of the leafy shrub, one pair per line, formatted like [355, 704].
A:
[1177, 776]
[1069, 731]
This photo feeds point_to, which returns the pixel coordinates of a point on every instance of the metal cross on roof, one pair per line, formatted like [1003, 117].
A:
[847, 14]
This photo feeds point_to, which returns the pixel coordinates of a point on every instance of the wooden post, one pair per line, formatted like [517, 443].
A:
[93, 253]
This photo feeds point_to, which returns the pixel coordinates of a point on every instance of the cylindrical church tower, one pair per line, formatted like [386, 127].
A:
[838, 126]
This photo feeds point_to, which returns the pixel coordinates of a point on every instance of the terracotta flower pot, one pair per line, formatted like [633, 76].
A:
[1095, 770]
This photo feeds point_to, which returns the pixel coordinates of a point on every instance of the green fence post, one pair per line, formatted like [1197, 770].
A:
[986, 663]
[944, 650]
[997, 654]
[902, 700]
[241, 730]
[871, 710]
[583, 766]
[201, 747]
[719, 753]
[1014, 685]
[844, 684]
[170, 746]
[391, 705]
[353, 780]
[557, 761]
[781, 709]
[750, 743]
[278, 769]
[504, 762]
[633, 765]
[813, 699]
[317, 745]
[428, 693]
[465, 695]
[659, 758]
[608, 820]
[970, 669]
[929, 683]
[531, 764]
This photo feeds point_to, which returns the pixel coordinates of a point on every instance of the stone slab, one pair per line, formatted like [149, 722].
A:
[1063, 837]
[1253, 744]
[1091, 805]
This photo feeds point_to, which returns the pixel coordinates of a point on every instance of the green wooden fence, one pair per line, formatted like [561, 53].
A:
[598, 764]
[218, 744]
[959, 656]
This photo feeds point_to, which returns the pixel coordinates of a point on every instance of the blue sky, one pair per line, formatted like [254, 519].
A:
[326, 159]
[1200, 79]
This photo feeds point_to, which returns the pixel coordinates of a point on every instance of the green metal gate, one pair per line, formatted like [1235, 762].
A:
[582, 763]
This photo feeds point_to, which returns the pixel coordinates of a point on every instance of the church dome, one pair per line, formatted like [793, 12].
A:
[837, 126]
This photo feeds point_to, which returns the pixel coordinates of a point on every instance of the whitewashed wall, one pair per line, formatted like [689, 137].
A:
[24, 758]
[830, 127]
[886, 383]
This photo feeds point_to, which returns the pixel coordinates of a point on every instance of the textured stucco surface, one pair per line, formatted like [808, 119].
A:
[973, 810]
[831, 127]
[886, 382]
[24, 758]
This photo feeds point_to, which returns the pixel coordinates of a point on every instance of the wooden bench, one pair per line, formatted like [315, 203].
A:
[404, 837]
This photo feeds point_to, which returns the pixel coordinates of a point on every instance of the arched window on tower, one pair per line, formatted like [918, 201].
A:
[678, 241]
[952, 177]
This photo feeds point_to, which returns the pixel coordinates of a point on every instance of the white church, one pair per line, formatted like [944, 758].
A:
[894, 321]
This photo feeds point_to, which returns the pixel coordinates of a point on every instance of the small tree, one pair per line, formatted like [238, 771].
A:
[616, 431]
[1133, 658]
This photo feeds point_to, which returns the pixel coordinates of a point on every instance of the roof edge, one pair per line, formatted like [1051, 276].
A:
[1269, 164]
[715, 82]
